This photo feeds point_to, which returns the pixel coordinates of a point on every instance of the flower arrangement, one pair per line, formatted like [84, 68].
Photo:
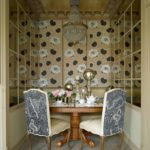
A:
[60, 94]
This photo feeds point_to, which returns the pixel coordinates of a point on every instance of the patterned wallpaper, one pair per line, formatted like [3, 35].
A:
[59, 61]
[54, 61]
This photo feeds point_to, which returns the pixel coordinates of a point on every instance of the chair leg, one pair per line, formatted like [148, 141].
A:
[29, 141]
[81, 136]
[122, 139]
[102, 143]
[68, 139]
[49, 142]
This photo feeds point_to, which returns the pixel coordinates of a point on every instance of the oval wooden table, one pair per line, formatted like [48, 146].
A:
[75, 111]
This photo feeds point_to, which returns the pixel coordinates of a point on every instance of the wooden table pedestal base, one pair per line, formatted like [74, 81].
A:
[64, 141]
[85, 136]
[75, 122]
[75, 135]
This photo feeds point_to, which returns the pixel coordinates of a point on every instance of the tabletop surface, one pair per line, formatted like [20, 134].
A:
[74, 105]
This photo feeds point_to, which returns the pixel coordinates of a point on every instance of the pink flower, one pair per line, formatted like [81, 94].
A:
[55, 93]
[69, 93]
[61, 92]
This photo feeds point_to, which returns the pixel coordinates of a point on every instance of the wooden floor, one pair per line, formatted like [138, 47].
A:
[111, 143]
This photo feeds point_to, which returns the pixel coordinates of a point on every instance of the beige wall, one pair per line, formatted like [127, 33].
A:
[17, 126]
[132, 125]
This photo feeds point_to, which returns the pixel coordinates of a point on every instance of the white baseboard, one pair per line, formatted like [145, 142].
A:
[130, 143]
[19, 144]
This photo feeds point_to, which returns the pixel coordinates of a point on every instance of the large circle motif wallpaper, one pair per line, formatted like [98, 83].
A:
[54, 61]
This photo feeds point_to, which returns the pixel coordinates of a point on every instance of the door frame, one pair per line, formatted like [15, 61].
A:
[145, 71]
[4, 45]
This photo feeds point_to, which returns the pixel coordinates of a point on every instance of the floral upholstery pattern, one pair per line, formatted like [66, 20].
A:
[37, 112]
[112, 119]
[113, 112]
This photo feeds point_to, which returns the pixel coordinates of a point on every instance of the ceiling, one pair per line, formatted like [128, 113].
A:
[45, 8]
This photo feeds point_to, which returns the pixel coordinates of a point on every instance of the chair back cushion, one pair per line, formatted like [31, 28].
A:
[113, 112]
[37, 112]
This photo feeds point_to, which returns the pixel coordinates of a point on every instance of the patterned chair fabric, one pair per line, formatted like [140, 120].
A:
[112, 119]
[37, 112]
[113, 112]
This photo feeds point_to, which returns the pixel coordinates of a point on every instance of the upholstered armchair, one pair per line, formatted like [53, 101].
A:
[112, 120]
[38, 117]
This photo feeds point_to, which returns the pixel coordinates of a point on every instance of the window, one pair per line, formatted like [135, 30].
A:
[19, 52]
[127, 53]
